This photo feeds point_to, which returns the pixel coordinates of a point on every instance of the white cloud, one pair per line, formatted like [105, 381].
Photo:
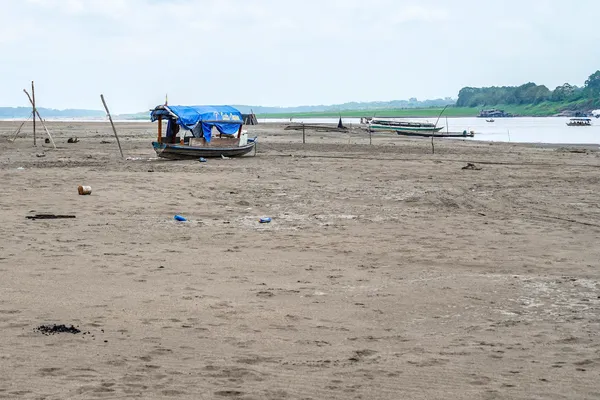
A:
[415, 13]
[282, 52]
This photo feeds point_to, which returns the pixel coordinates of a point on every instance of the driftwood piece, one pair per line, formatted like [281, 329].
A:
[472, 166]
[49, 216]
[250, 119]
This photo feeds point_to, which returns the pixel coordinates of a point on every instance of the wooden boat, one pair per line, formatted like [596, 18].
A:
[314, 127]
[462, 134]
[215, 131]
[494, 113]
[402, 126]
[580, 122]
[179, 152]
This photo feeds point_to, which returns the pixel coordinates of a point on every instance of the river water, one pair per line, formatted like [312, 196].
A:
[518, 130]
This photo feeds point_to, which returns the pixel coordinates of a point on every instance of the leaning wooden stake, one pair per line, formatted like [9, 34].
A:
[35, 112]
[433, 132]
[34, 109]
[112, 124]
[19, 129]
[303, 134]
[46, 129]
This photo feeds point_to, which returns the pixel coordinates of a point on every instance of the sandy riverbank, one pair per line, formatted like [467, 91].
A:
[387, 272]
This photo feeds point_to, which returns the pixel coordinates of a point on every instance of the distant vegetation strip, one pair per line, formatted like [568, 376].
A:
[397, 113]
[534, 99]
[525, 100]
[545, 109]
[336, 108]
[24, 112]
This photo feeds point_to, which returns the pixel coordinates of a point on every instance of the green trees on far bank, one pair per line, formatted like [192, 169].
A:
[592, 85]
[531, 94]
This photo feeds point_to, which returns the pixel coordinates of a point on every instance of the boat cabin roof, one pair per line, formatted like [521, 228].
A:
[201, 119]
[191, 115]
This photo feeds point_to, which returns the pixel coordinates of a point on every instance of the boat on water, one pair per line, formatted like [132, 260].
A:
[214, 131]
[580, 122]
[402, 127]
[494, 113]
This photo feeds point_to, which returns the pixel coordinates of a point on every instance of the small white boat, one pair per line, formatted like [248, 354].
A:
[580, 122]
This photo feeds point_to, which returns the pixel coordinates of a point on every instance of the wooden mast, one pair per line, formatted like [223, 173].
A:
[34, 111]
[159, 139]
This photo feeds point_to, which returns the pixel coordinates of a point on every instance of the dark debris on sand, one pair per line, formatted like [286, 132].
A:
[54, 329]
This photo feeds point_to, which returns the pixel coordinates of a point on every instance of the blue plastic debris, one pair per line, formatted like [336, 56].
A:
[265, 220]
[180, 218]
[202, 159]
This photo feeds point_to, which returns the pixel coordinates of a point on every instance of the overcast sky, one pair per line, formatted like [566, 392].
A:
[286, 52]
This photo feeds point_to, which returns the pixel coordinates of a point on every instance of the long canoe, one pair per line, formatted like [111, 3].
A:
[438, 135]
[405, 128]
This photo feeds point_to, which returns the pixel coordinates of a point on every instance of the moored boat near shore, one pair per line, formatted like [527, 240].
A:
[410, 128]
[439, 134]
[402, 126]
[201, 121]
[182, 152]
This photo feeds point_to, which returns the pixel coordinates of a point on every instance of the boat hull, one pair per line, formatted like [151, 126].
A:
[179, 152]
[437, 135]
[404, 129]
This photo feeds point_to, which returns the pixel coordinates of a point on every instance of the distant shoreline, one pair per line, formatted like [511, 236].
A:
[277, 118]
[433, 112]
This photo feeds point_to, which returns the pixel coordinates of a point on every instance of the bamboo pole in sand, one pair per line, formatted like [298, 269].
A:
[34, 109]
[19, 128]
[112, 124]
[35, 112]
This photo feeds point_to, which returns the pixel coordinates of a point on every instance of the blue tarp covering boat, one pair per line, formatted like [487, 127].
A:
[201, 119]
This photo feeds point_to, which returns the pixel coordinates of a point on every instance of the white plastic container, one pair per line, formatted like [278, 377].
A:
[244, 138]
